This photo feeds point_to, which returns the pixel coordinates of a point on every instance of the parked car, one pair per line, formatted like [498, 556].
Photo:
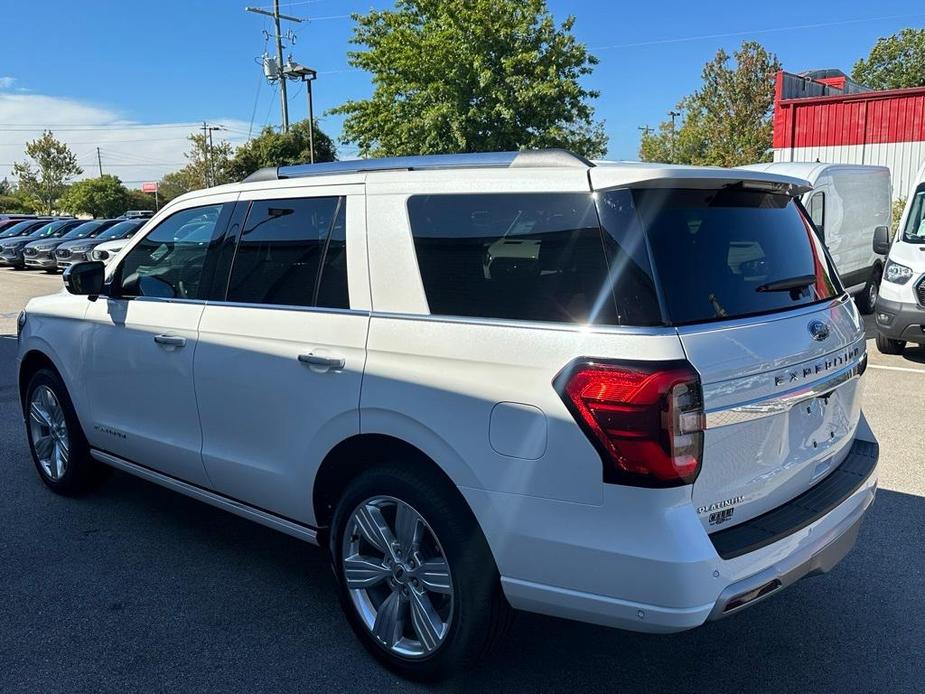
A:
[900, 310]
[79, 241]
[13, 239]
[114, 239]
[627, 394]
[847, 204]
[138, 214]
[40, 254]
[79, 248]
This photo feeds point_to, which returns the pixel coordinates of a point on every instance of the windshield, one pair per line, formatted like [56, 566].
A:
[54, 230]
[20, 229]
[116, 231]
[86, 230]
[722, 254]
[914, 231]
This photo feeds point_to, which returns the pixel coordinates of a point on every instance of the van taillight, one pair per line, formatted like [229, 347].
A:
[646, 419]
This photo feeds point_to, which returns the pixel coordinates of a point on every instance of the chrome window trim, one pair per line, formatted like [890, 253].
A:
[287, 307]
[534, 325]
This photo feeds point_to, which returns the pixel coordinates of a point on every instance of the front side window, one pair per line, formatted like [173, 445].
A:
[914, 231]
[170, 261]
[517, 256]
[292, 252]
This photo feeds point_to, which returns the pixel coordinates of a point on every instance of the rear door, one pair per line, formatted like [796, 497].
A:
[282, 349]
[748, 286]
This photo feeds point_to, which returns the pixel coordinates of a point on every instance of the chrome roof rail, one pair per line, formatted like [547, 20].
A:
[532, 158]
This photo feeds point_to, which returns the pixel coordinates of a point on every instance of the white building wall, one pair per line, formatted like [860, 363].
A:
[904, 159]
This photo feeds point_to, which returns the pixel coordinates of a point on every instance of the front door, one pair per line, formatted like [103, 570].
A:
[143, 340]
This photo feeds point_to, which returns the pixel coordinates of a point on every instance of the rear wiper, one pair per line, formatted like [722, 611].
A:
[788, 284]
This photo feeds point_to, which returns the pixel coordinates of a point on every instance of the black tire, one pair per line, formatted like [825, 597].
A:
[867, 299]
[480, 612]
[885, 345]
[81, 472]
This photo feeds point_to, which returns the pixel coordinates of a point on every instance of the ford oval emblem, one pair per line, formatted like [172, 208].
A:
[819, 330]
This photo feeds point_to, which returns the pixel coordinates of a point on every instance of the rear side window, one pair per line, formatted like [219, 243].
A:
[731, 252]
[292, 252]
[523, 256]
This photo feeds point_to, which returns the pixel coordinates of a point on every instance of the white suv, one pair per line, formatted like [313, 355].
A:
[623, 394]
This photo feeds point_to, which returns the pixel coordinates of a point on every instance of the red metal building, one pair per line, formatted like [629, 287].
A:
[828, 118]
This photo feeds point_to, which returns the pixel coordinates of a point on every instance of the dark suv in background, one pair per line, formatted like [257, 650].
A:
[13, 239]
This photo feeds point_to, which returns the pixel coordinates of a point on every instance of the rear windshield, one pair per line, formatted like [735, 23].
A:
[641, 258]
[729, 253]
[914, 231]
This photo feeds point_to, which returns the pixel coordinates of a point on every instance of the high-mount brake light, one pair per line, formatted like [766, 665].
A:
[646, 419]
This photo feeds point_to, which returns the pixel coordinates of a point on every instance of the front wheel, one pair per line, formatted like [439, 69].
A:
[885, 345]
[416, 578]
[867, 299]
[59, 450]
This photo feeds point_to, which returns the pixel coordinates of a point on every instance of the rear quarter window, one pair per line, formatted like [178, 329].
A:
[523, 256]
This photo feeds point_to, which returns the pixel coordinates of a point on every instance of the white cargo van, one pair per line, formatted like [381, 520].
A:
[901, 308]
[847, 203]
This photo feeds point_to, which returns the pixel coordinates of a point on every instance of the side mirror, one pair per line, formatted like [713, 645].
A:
[881, 240]
[86, 278]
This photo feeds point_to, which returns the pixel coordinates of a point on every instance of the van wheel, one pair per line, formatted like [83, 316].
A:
[415, 575]
[59, 450]
[887, 346]
[867, 299]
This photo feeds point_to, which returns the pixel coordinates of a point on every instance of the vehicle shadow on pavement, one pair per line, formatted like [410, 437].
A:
[155, 590]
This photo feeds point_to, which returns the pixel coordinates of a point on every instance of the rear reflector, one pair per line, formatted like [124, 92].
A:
[645, 418]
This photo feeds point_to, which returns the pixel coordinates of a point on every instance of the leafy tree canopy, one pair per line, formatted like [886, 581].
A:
[471, 75]
[272, 148]
[207, 166]
[100, 197]
[727, 122]
[44, 178]
[894, 62]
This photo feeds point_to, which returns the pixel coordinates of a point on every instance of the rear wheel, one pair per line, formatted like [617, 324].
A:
[867, 299]
[59, 450]
[885, 345]
[416, 578]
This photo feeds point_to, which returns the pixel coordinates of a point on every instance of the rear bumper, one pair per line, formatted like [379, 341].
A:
[643, 562]
[900, 320]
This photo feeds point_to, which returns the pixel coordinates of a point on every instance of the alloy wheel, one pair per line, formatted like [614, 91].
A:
[397, 576]
[48, 431]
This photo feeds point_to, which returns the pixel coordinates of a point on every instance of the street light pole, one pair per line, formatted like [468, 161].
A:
[311, 120]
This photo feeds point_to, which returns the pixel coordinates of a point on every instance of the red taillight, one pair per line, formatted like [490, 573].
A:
[645, 418]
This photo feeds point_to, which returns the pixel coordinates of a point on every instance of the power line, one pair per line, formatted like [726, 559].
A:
[796, 27]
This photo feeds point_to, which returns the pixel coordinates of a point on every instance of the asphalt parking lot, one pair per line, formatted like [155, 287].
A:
[135, 588]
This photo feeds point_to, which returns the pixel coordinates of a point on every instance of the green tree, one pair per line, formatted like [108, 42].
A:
[468, 76]
[100, 197]
[138, 200]
[727, 122]
[894, 62]
[45, 178]
[207, 166]
[271, 148]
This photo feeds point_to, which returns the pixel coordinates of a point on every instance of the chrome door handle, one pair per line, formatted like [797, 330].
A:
[318, 360]
[170, 340]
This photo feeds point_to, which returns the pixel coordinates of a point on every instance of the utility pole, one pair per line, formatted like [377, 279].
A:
[209, 151]
[645, 130]
[99, 160]
[283, 99]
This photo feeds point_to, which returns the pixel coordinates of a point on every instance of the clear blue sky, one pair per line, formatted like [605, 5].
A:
[187, 60]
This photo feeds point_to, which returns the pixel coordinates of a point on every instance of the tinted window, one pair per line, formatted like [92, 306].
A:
[817, 210]
[87, 229]
[23, 228]
[118, 231]
[914, 231]
[527, 256]
[283, 245]
[170, 262]
[731, 252]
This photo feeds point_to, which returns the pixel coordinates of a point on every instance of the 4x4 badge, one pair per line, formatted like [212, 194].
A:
[819, 330]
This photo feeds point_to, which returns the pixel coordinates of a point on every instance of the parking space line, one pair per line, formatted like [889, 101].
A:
[897, 368]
